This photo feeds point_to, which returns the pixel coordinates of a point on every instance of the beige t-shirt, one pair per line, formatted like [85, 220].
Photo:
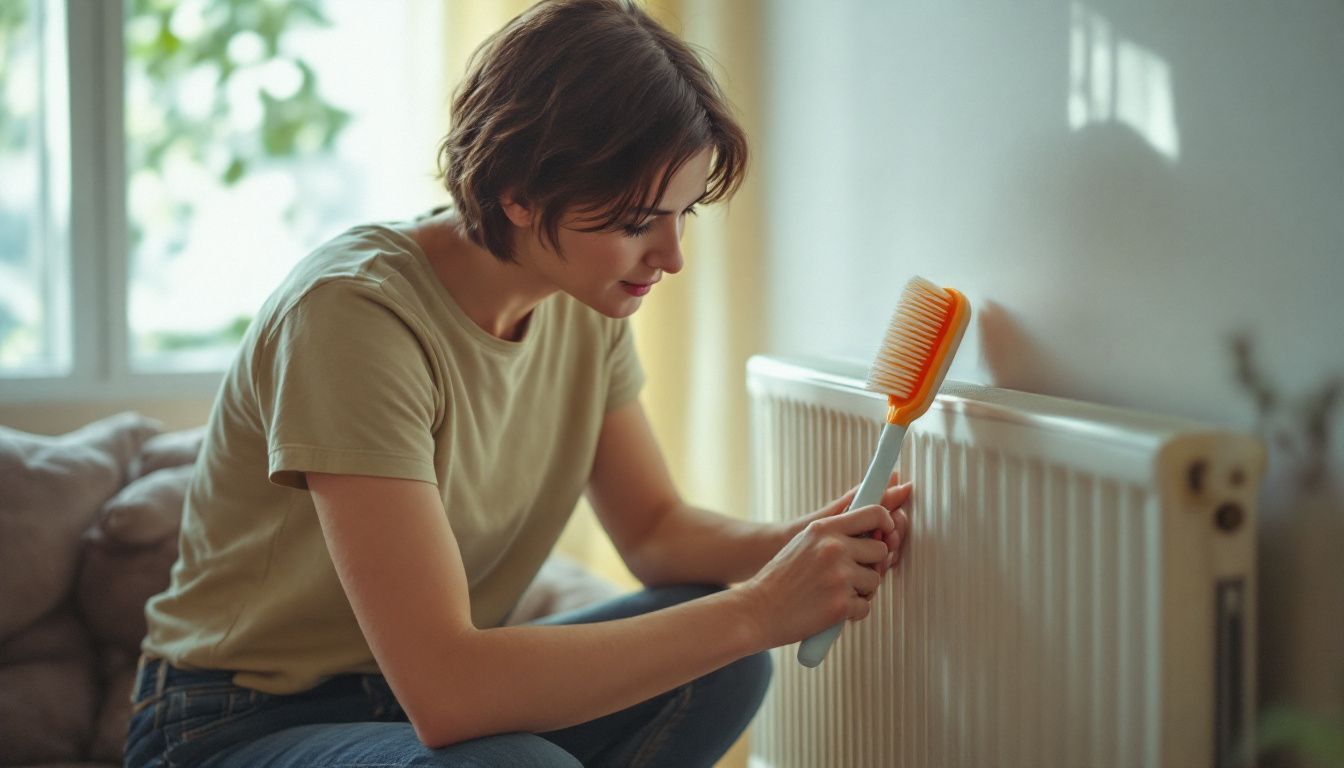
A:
[362, 363]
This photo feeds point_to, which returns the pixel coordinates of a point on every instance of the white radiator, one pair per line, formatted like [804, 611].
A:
[1078, 588]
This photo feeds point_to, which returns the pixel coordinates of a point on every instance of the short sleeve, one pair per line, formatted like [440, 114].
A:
[344, 386]
[625, 376]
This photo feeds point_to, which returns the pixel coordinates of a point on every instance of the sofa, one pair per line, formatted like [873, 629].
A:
[88, 532]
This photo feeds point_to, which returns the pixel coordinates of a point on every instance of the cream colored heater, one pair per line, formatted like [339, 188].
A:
[1078, 588]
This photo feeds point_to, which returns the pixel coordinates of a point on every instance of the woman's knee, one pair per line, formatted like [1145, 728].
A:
[751, 675]
[744, 681]
[718, 708]
[738, 689]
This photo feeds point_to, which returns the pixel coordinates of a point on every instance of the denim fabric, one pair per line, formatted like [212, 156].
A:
[185, 719]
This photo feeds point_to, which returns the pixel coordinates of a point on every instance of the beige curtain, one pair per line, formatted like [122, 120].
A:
[697, 329]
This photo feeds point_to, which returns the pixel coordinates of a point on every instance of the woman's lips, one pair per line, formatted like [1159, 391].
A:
[636, 289]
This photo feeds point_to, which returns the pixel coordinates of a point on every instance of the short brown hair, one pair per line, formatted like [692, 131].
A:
[576, 105]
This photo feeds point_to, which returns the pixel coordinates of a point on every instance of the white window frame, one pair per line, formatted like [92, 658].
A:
[97, 233]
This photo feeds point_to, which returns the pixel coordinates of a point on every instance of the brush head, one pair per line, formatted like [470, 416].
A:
[921, 340]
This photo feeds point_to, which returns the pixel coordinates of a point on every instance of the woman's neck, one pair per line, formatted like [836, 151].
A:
[497, 296]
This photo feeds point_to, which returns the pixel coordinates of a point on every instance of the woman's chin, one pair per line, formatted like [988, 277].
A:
[625, 308]
[616, 305]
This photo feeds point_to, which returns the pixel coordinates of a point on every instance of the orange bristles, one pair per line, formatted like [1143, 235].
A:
[921, 340]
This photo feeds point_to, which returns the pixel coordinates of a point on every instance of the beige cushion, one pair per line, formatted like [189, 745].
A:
[48, 691]
[115, 581]
[148, 510]
[171, 449]
[50, 490]
[114, 713]
[128, 554]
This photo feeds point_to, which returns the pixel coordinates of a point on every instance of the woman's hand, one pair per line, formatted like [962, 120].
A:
[894, 498]
[831, 567]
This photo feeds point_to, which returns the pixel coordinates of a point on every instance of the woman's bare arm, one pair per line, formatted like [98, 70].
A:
[402, 571]
[662, 539]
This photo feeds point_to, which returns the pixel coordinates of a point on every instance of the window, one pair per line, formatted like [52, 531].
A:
[216, 142]
[34, 300]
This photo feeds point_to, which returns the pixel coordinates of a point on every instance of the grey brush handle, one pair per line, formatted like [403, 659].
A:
[814, 649]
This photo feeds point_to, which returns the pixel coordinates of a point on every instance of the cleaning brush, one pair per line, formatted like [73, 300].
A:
[921, 340]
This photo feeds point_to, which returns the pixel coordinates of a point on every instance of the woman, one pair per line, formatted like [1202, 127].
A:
[410, 421]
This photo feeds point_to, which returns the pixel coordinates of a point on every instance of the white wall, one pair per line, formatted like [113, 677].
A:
[1118, 187]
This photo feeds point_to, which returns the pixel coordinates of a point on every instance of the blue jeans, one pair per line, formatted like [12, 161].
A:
[188, 718]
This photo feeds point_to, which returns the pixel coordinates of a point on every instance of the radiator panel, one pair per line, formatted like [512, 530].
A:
[1028, 622]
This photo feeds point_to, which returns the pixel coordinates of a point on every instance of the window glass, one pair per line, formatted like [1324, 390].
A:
[34, 308]
[255, 130]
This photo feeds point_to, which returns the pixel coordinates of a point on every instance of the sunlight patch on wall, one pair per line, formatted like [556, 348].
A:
[1112, 79]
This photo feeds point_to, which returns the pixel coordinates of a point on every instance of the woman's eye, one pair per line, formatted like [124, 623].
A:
[635, 230]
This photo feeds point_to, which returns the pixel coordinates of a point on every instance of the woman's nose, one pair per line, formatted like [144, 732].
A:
[666, 252]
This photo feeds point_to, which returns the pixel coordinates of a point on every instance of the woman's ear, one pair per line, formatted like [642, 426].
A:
[518, 213]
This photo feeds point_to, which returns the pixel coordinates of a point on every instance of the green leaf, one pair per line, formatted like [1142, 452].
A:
[235, 171]
[168, 43]
[1314, 736]
[229, 333]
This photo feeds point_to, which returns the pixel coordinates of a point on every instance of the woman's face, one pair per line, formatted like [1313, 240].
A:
[612, 271]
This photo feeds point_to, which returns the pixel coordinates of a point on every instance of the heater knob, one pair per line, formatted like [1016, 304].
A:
[1229, 516]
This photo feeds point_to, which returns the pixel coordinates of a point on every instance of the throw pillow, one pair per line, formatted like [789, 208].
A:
[171, 449]
[50, 490]
[147, 510]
